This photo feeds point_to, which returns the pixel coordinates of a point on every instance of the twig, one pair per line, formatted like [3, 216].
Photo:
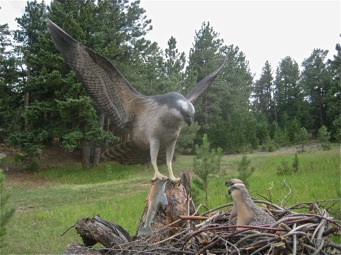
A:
[193, 217]
[294, 240]
[313, 202]
[67, 230]
[285, 197]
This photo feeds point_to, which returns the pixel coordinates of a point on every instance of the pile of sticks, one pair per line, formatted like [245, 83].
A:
[293, 232]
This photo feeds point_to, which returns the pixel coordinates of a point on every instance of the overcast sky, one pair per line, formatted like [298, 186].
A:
[263, 30]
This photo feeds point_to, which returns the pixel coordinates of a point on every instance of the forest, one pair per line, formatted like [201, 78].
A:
[42, 102]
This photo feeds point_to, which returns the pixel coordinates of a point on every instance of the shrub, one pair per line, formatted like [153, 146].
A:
[324, 137]
[285, 169]
[245, 170]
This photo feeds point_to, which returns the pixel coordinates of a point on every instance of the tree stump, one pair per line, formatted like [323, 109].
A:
[166, 202]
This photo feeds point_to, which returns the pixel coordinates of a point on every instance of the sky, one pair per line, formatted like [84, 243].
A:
[263, 30]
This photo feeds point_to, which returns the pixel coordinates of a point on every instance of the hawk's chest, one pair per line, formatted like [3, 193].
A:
[162, 123]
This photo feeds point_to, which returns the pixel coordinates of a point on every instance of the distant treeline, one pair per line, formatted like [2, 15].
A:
[42, 100]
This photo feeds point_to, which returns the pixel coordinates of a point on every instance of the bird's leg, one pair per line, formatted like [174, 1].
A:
[154, 150]
[169, 158]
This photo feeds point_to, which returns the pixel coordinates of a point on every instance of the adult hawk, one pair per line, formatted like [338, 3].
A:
[154, 121]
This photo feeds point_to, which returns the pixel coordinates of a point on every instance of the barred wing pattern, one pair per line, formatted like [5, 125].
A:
[111, 92]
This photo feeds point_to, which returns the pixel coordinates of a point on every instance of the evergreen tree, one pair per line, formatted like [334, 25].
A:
[174, 67]
[56, 105]
[223, 112]
[239, 124]
[206, 162]
[324, 137]
[288, 92]
[31, 45]
[245, 170]
[9, 89]
[316, 81]
[333, 96]
[203, 59]
[302, 137]
[279, 135]
[262, 93]
[115, 30]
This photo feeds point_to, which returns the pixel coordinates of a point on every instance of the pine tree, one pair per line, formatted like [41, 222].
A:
[324, 137]
[302, 137]
[245, 170]
[9, 89]
[316, 81]
[203, 59]
[31, 45]
[206, 162]
[333, 96]
[288, 92]
[56, 105]
[262, 93]
[223, 112]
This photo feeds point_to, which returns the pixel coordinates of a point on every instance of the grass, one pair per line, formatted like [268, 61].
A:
[50, 201]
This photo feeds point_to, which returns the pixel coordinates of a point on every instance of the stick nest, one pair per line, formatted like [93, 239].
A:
[210, 233]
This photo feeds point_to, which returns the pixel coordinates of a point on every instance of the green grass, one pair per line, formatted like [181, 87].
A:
[52, 200]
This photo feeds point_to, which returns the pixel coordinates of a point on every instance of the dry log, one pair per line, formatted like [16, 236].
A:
[81, 249]
[94, 230]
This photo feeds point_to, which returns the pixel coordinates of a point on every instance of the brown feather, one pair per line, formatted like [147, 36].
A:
[110, 91]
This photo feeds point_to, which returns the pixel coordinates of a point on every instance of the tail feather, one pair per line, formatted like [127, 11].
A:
[128, 153]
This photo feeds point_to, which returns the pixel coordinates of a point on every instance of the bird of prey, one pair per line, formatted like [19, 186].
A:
[154, 122]
[246, 211]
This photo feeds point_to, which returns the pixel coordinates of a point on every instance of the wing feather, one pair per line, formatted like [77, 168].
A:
[204, 84]
[110, 91]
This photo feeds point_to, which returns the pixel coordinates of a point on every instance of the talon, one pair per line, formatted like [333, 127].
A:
[159, 177]
[175, 180]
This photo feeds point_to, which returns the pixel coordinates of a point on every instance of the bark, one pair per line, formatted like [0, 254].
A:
[97, 230]
[27, 100]
[86, 155]
[81, 249]
[98, 149]
[165, 203]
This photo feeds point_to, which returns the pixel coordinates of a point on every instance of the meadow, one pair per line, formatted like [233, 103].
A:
[48, 202]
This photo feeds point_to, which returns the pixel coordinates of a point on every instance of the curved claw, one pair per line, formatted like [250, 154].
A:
[159, 177]
[175, 180]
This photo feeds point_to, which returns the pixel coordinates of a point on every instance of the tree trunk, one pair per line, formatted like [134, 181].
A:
[98, 149]
[26, 100]
[86, 155]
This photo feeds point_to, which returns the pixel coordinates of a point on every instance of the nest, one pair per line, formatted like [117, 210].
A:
[293, 232]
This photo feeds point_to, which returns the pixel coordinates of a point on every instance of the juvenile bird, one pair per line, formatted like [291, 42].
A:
[246, 211]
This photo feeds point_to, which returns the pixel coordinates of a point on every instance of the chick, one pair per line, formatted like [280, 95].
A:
[246, 211]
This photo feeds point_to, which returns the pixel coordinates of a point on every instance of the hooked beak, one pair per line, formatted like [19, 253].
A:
[189, 120]
[227, 184]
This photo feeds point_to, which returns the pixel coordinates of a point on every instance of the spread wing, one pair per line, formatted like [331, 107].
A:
[204, 84]
[110, 91]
